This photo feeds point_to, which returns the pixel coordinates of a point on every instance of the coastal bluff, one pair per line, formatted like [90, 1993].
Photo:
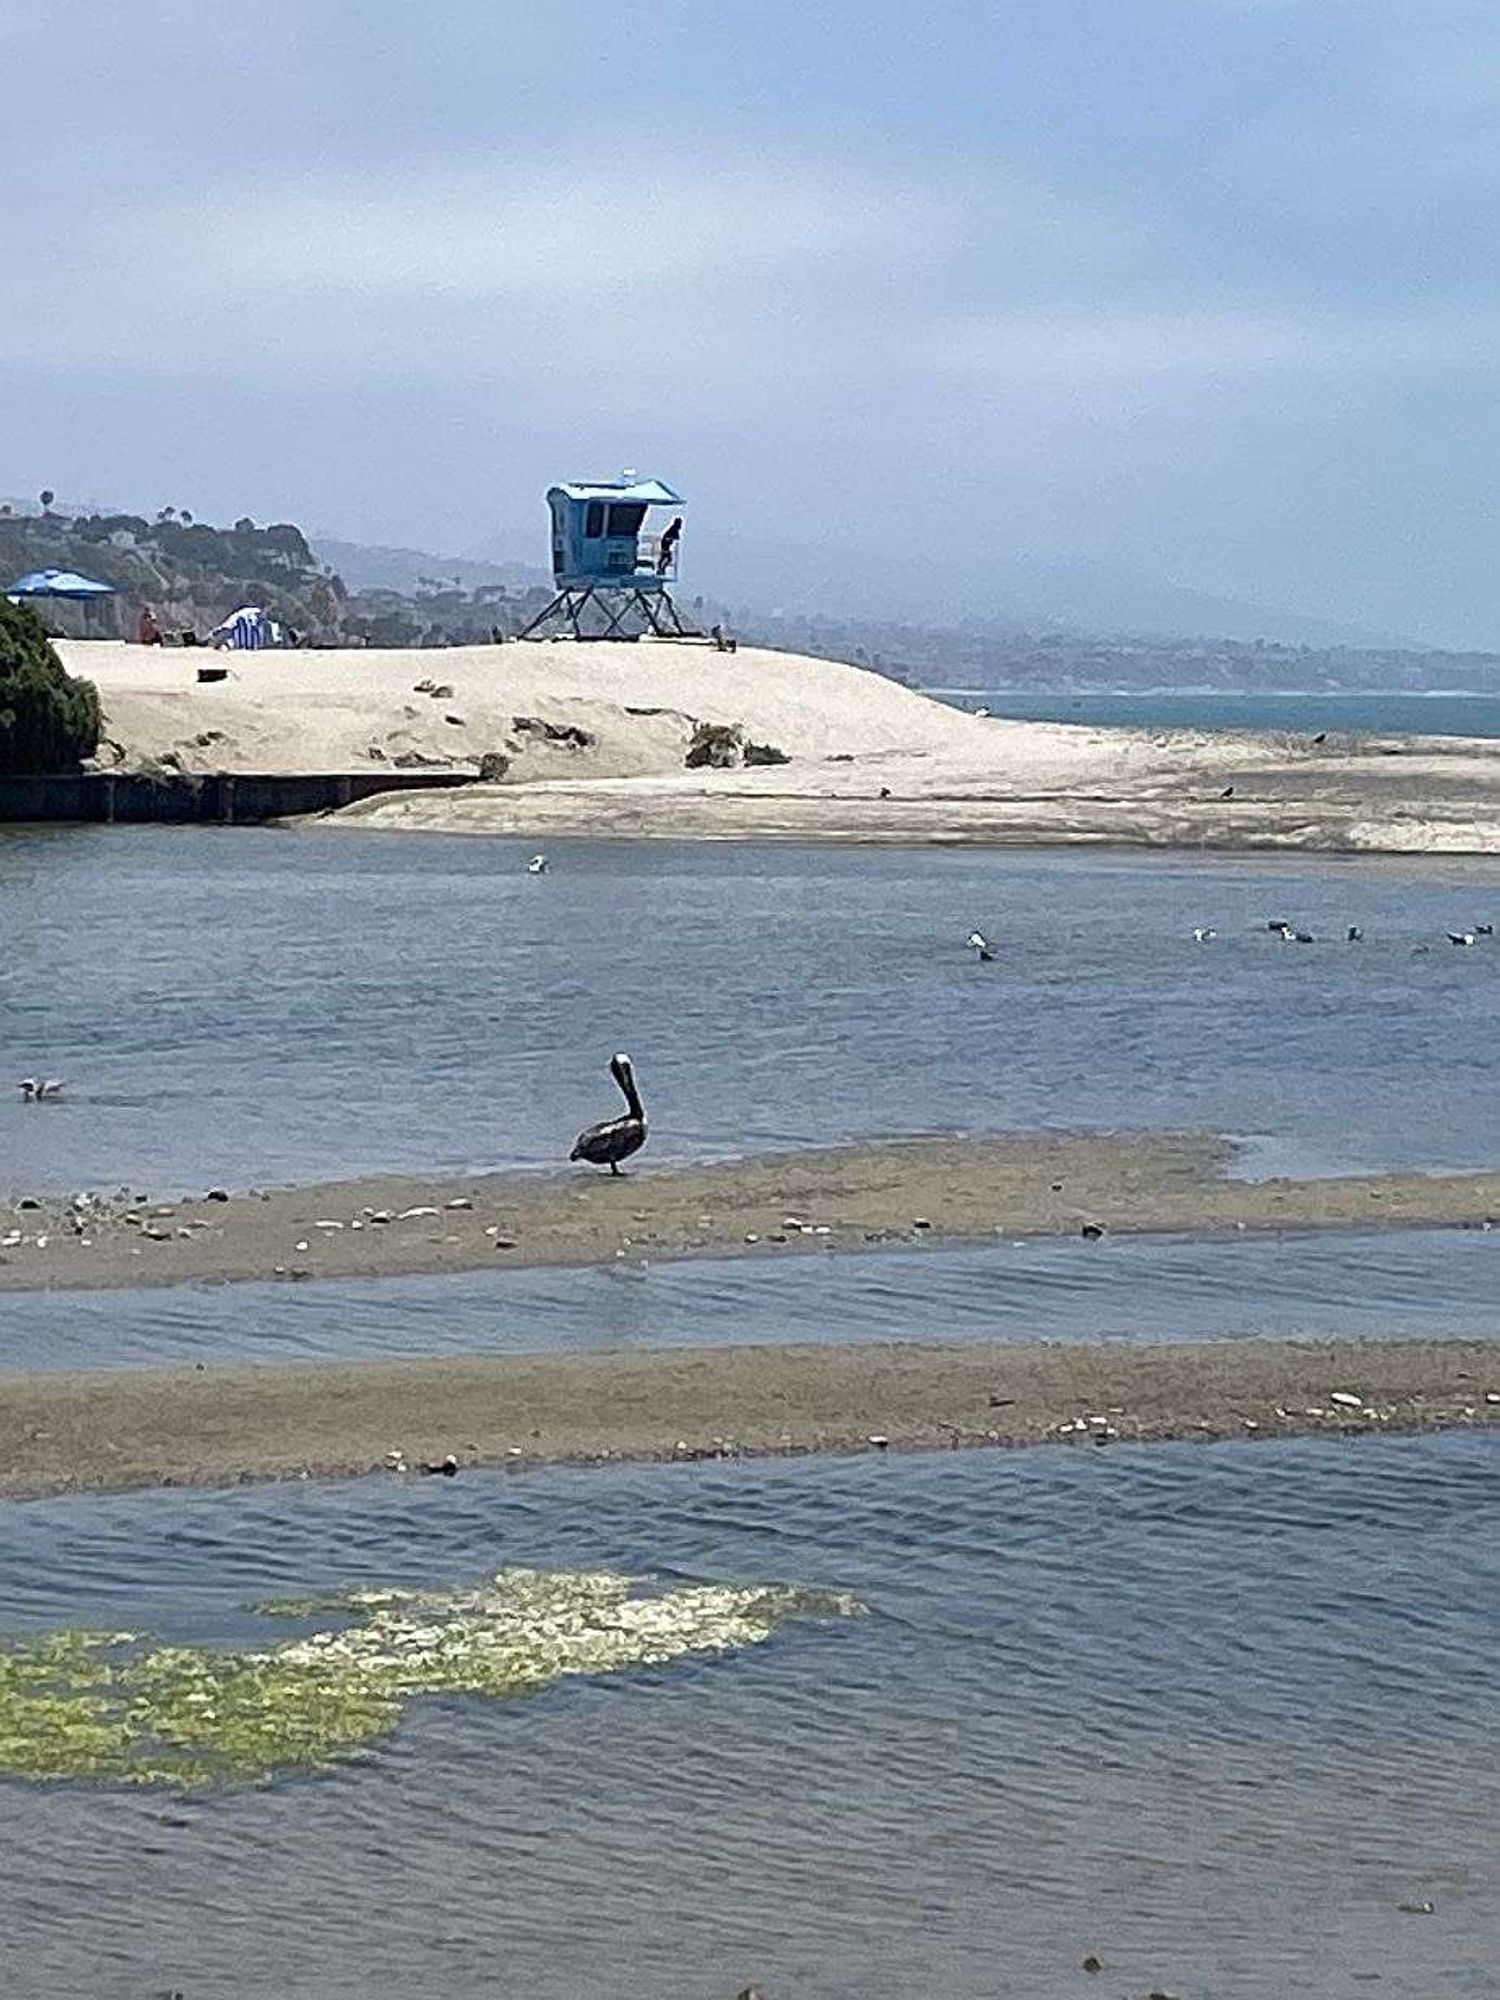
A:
[679, 740]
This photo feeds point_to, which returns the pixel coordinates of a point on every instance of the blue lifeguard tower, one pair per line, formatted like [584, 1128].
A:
[612, 579]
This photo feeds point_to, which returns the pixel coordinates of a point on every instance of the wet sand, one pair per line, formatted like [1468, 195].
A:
[783, 1205]
[813, 1202]
[112, 1430]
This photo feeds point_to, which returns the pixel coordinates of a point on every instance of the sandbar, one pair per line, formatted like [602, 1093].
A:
[225, 1426]
[811, 1203]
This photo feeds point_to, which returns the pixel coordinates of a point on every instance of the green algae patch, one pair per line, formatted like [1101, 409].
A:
[110, 1708]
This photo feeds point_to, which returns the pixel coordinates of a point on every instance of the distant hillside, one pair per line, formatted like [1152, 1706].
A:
[191, 574]
[194, 575]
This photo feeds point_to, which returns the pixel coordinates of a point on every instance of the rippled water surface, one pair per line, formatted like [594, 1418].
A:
[1211, 1713]
[1126, 1288]
[250, 1006]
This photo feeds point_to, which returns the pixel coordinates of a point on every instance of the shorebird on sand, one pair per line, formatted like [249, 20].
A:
[606, 1145]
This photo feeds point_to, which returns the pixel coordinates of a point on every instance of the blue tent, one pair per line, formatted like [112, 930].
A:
[58, 583]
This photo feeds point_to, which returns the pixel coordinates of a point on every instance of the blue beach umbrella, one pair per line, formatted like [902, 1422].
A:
[58, 583]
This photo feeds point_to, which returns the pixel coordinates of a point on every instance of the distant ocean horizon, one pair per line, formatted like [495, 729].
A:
[1364, 712]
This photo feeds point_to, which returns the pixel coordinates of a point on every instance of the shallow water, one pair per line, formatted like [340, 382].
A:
[253, 1006]
[1441, 1282]
[1212, 1713]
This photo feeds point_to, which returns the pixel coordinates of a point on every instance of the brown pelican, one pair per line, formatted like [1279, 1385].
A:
[607, 1144]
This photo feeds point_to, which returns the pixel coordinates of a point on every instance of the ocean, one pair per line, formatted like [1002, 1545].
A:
[1441, 713]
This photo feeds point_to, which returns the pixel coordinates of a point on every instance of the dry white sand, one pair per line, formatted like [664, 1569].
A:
[869, 759]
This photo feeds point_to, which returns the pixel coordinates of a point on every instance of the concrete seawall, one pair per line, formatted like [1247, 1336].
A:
[223, 799]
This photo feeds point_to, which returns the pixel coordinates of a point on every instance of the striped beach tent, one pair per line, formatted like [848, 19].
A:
[247, 630]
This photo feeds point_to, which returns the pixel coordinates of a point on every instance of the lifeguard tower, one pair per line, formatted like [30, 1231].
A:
[612, 580]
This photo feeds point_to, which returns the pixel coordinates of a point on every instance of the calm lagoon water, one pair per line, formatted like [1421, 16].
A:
[276, 1006]
[1439, 1282]
[1213, 1714]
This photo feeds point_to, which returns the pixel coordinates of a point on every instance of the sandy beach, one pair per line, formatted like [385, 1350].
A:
[223, 1426]
[810, 1203]
[593, 741]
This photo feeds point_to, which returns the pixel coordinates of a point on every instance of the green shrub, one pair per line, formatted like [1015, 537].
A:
[48, 720]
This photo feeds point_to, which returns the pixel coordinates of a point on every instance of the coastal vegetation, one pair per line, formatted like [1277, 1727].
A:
[49, 721]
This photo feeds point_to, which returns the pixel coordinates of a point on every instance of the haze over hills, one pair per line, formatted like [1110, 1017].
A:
[1023, 627]
[764, 574]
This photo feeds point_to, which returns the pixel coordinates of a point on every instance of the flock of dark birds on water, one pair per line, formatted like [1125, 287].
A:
[615, 1139]
[1279, 927]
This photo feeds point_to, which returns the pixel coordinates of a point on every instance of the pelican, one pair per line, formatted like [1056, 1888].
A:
[979, 944]
[617, 1138]
[537, 865]
[47, 1091]
[1461, 937]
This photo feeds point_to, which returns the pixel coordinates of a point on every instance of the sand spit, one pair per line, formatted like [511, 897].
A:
[64, 1433]
[851, 1198]
[593, 740]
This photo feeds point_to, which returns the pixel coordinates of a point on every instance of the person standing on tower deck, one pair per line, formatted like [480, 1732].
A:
[666, 548]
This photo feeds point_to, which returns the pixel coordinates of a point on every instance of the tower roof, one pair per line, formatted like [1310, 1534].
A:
[654, 492]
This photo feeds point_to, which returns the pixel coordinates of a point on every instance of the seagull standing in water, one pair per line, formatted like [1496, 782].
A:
[979, 944]
[607, 1144]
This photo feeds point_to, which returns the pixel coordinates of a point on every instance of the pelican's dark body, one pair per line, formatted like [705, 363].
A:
[606, 1145]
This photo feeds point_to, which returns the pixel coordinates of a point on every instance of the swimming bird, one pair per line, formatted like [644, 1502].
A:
[1279, 927]
[1354, 934]
[537, 865]
[47, 1091]
[1204, 934]
[979, 944]
[607, 1144]
[1484, 930]
[1461, 937]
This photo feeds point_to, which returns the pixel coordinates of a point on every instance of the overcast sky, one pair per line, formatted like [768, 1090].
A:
[1200, 289]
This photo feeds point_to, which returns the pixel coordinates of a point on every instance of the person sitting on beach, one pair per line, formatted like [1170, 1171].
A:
[666, 548]
[147, 631]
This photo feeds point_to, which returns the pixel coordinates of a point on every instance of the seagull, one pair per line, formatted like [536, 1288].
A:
[537, 865]
[1203, 934]
[45, 1092]
[979, 944]
[1484, 930]
[1279, 927]
[1462, 937]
